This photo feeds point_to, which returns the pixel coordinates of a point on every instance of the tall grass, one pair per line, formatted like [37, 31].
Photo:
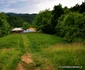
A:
[66, 55]
[11, 49]
[38, 40]
[54, 51]
[48, 52]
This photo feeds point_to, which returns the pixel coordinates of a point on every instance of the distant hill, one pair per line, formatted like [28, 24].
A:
[26, 17]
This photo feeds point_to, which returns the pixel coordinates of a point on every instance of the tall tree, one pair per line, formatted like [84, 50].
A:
[4, 26]
[26, 25]
[43, 22]
[56, 12]
[75, 8]
[82, 7]
[71, 26]
[78, 8]
[15, 21]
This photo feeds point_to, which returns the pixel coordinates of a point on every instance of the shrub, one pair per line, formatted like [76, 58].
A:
[71, 26]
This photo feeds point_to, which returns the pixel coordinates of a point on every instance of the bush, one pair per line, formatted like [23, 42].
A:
[4, 27]
[71, 26]
[43, 22]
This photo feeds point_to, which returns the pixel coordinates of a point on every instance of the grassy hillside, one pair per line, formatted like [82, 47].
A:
[46, 52]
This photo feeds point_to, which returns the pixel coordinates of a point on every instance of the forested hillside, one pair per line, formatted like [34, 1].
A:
[26, 17]
[11, 20]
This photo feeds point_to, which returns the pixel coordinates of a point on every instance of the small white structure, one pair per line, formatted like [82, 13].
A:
[17, 30]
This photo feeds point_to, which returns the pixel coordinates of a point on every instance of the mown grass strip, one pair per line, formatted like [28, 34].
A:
[26, 43]
[11, 65]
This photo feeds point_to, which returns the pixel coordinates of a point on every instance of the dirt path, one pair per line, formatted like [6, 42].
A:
[20, 67]
[27, 62]
[27, 57]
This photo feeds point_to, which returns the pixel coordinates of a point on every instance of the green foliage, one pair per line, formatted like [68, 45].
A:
[25, 17]
[14, 21]
[3, 15]
[78, 8]
[75, 8]
[71, 26]
[26, 25]
[43, 22]
[82, 6]
[4, 26]
[56, 12]
[66, 10]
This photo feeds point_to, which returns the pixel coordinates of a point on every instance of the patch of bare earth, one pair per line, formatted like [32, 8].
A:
[49, 68]
[20, 67]
[37, 69]
[26, 59]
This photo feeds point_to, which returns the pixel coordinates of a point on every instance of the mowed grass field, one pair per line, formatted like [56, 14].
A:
[48, 52]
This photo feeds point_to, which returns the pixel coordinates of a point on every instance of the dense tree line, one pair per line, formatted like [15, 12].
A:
[78, 8]
[4, 25]
[68, 23]
[14, 21]
[9, 21]
[43, 22]
[71, 26]
[26, 17]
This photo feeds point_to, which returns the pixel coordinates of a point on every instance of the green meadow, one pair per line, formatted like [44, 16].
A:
[48, 52]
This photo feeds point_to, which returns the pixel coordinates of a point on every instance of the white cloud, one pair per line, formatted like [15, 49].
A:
[33, 6]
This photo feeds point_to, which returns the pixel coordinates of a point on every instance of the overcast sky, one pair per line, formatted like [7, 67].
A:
[33, 6]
